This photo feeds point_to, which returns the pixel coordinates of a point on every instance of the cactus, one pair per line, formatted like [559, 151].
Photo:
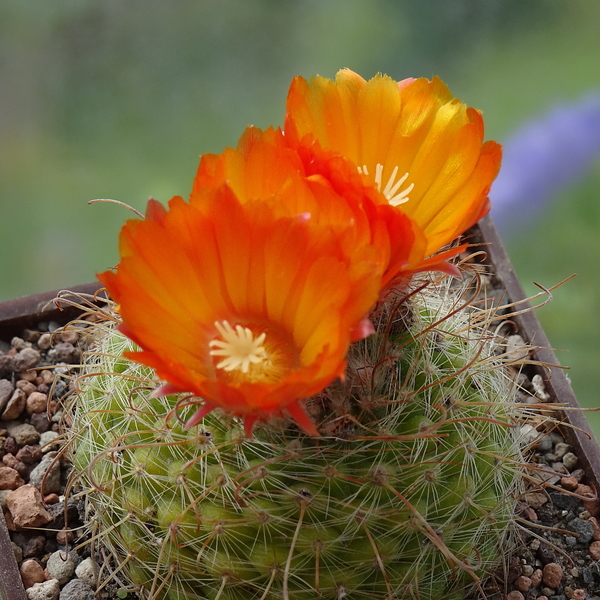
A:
[408, 493]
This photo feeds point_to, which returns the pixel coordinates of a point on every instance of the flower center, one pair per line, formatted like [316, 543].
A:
[390, 191]
[238, 347]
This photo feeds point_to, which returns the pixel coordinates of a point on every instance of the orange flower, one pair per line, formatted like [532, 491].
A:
[422, 148]
[246, 305]
[266, 167]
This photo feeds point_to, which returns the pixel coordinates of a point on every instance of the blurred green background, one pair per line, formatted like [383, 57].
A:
[118, 98]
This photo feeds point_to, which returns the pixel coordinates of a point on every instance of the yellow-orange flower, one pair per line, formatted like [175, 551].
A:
[422, 148]
[247, 305]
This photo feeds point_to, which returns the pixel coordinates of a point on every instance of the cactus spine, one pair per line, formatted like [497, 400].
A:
[409, 493]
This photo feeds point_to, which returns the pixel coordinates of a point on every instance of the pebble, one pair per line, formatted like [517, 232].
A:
[47, 474]
[593, 505]
[594, 550]
[64, 536]
[30, 376]
[31, 572]
[77, 590]
[579, 594]
[535, 499]
[46, 440]
[522, 583]
[18, 343]
[561, 449]
[45, 341]
[71, 336]
[65, 353]
[570, 483]
[18, 552]
[546, 554]
[529, 434]
[570, 461]
[40, 422]
[515, 595]
[552, 575]
[514, 571]
[560, 467]
[10, 445]
[6, 391]
[536, 578]
[10, 460]
[25, 359]
[36, 403]
[47, 590]
[596, 527]
[87, 571]
[545, 444]
[10, 479]
[537, 382]
[15, 405]
[26, 386]
[29, 454]
[584, 529]
[5, 364]
[3, 495]
[47, 376]
[516, 349]
[566, 501]
[25, 434]
[26, 507]
[60, 566]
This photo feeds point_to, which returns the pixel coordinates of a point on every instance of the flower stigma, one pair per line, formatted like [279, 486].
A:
[239, 347]
[390, 191]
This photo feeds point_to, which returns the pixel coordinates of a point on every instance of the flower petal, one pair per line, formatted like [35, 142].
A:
[412, 129]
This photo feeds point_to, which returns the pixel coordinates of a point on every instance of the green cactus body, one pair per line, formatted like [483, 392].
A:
[409, 493]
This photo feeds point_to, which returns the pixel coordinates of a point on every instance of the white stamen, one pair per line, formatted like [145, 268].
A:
[392, 186]
[378, 174]
[239, 347]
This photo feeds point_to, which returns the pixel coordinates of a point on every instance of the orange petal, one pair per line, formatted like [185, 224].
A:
[414, 127]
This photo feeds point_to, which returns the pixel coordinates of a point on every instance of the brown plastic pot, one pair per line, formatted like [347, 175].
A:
[16, 315]
[579, 434]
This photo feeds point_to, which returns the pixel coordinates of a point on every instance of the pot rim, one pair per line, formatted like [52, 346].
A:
[577, 431]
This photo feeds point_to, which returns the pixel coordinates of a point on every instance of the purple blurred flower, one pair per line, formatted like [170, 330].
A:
[544, 156]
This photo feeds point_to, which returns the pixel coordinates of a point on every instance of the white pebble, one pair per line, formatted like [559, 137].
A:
[570, 461]
[45, 341]
[561, 449]
[47, 590]
[539, 388]
[516, 349]
[46, 440]
[60, 566]
[88, 572]
[529, 434]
